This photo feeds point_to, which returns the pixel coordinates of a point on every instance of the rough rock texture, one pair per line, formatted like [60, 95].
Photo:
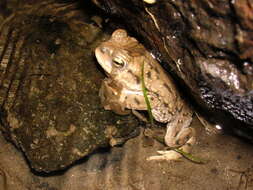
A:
[49, 82]
[208, 44]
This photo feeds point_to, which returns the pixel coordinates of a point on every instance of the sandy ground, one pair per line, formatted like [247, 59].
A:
[229, 167]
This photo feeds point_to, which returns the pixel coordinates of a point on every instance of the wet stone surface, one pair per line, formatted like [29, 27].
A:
[49, 84]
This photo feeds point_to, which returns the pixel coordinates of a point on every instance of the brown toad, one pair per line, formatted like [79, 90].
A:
[122, 57]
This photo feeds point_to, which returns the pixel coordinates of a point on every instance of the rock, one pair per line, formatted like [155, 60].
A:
[207, 45]
[49, 84]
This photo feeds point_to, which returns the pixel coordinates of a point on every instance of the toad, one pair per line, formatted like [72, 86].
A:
[122, 57]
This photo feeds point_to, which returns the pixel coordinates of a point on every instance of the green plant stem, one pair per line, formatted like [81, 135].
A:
[145, 94]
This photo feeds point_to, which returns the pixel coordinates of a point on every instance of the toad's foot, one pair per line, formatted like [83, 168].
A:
[165, 155]
[172, 154]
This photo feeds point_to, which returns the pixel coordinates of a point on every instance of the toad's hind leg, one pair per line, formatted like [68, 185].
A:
[178, 135]
[172, 154]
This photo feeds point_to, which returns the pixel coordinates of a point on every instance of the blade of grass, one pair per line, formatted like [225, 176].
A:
[145, 94]
[190, 156]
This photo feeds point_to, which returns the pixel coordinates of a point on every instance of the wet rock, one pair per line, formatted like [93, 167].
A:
[207, 45]
[49, 84]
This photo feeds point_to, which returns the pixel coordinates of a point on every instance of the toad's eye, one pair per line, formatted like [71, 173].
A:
[118, 62]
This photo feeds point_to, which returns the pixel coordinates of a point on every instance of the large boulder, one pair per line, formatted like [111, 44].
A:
[49, 83]
[207, 45]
